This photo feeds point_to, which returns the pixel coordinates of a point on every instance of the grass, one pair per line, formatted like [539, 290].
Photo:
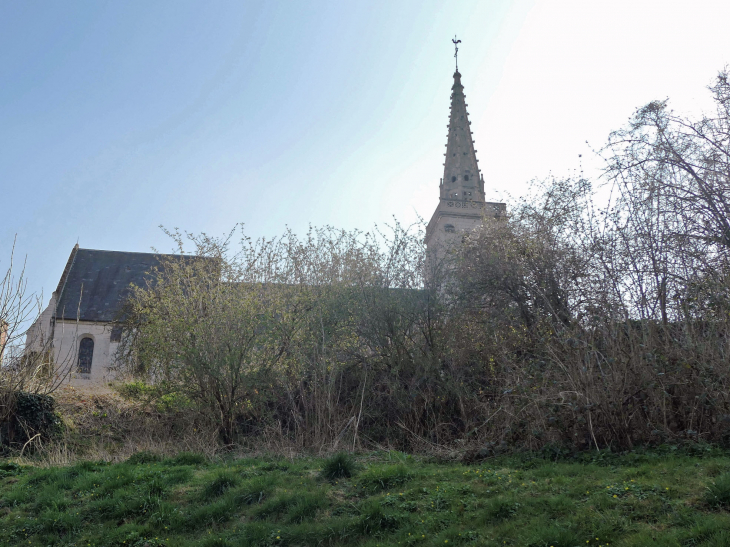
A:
[339, 466]
[640, 499]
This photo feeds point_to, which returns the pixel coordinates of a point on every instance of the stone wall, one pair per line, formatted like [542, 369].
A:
[452, 219]
[66, 337]
[66, 340]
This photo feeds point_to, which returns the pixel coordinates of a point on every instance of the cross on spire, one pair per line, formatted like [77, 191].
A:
[456, 51]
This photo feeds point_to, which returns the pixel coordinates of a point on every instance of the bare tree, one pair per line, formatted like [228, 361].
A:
[671, 203]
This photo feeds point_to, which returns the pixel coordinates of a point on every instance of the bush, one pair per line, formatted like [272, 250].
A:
[9, 469]
[136, 390]
[339, 466]
[32, 414]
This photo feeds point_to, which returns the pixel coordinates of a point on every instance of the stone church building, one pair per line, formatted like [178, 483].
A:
[78, 328]
[462, 203]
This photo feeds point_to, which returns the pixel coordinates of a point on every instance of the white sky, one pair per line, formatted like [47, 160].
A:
[566, 72]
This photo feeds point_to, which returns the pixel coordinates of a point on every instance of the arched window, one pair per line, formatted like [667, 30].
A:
[453, 179]
[449, 228]
[86, 354]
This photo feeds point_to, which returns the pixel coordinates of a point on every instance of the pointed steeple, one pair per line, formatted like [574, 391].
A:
[462, 178]
[462, 206]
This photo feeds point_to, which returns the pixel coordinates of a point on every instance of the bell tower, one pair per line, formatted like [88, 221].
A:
[462, 203]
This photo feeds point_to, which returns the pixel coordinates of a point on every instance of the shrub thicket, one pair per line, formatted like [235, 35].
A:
[28, 375]
[571, 322]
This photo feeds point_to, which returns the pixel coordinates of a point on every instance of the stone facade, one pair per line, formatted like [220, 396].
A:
[452, 219]
[62, 338]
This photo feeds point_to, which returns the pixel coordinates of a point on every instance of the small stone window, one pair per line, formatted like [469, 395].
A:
[86, 355]
[466, 177]
[449, 228]
[116, 335]
[453, 179]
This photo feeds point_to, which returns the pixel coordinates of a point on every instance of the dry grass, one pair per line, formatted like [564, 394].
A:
[99, 425]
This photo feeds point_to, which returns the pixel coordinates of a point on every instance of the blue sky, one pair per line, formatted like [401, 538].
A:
[116, 117]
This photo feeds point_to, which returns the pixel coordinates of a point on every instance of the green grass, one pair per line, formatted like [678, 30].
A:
[339, 466]
[640, 499]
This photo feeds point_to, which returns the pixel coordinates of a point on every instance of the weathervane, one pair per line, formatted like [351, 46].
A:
[456, 51]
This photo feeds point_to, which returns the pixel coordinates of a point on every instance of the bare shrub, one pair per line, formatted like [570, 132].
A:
[106, 427]
[572, 320]
[26, 378]
[312, 334]
[608, 325]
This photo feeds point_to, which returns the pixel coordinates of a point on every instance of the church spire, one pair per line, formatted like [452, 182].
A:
[462, 206]
[461, 172]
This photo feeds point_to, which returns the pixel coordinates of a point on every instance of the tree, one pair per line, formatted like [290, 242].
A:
[526, 265]
[671, 176]
[279, 330]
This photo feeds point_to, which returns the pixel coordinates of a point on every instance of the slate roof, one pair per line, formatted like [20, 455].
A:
[95, 283]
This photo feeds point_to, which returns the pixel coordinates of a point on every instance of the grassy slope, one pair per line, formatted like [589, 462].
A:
[392, 499]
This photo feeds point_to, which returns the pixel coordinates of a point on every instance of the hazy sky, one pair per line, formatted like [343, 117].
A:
[116, 117]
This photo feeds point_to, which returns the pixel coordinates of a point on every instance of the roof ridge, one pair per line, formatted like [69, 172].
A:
[133, 252]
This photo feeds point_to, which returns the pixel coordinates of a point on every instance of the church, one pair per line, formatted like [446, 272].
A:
[78, 329]
[462, 202]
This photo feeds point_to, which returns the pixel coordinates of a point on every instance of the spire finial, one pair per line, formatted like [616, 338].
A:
[456, 51]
